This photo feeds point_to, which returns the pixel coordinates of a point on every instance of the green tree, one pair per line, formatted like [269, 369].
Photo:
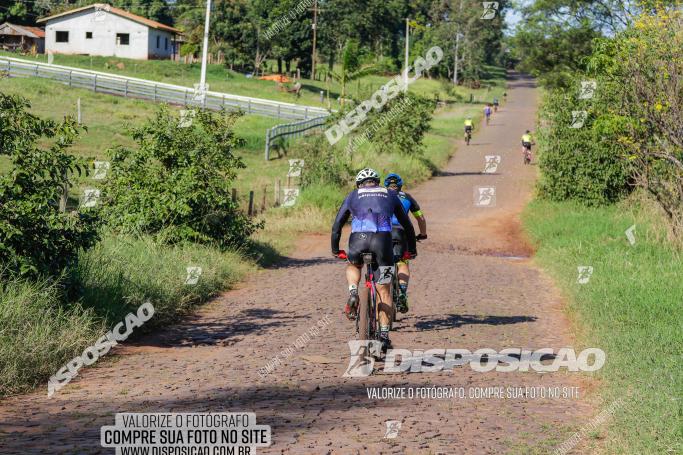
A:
[177, 184]
[35, 237]
[350, 68]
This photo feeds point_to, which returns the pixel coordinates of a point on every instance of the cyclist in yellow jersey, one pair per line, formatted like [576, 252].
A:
[527, 140]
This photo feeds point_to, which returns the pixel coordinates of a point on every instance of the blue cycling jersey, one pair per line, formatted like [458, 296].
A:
[409, 205]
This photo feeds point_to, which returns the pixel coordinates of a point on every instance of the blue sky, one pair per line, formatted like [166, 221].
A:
[512, 17]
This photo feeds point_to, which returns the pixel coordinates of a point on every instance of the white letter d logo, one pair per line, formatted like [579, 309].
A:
[362, 360]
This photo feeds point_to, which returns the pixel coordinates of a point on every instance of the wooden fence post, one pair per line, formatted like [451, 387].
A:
[263, 201]
[234, 195]
[250, 210]
[278, 190]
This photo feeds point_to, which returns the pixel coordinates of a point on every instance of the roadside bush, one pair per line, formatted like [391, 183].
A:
[643, 67]
[401, 126]
[35, 237]
[325, 164]
[585, 164]
[176, 186]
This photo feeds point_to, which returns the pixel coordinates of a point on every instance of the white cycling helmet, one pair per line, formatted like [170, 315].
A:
[367, 174]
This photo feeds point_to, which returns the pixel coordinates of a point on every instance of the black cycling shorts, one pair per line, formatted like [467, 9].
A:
[468, 128]
[400, 243]
[378, 243]
[526, 144]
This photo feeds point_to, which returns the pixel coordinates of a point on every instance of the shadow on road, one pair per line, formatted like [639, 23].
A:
[456, 174]
[227, 330]
[295, 263]
[452, 321]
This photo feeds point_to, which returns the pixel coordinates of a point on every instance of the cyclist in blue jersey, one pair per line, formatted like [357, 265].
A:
[410, 205]
[371, 208]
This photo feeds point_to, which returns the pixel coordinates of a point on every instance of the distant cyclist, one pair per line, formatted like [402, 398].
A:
[410, 205]
[468, 128]
[372, 208]
[487, 113]
[527, 141]
[495, 104]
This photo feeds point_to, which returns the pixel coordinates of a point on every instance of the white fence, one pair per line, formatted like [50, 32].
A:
[296, 129]
[156, 91]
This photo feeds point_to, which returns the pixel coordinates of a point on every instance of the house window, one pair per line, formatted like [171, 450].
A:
[62, 37]
[165, 43]
[158, 38]
[122, 39]
[88, 35]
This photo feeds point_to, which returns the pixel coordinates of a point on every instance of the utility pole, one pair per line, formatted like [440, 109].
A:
[456, 59]
[205, 50]
[315, 30]
[405, 72]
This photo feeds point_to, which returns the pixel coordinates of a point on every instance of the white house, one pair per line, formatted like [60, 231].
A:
[106, 31]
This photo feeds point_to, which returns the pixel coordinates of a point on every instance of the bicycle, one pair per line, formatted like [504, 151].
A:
[527, 153]
[395, 292]
[367, 321]
[395, 287]
[468, 136]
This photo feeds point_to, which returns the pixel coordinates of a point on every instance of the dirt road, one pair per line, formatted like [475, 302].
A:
[473, 288]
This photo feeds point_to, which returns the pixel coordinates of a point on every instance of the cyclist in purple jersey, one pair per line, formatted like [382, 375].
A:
[371, 208]
[487, 112]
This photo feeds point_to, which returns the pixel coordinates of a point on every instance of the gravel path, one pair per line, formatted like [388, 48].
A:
[473, 287]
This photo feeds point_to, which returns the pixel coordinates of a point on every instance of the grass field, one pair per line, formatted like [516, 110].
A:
[221, 79]
[632, 308]
[108, 118]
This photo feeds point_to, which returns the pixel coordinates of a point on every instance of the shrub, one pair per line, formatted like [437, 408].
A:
[584, 164]
[401, 126]
[35, 237]
[325, 165]
[642, 68]
[176, 185]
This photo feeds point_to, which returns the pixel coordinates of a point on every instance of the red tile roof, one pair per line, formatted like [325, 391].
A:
[39, 32]
[119, 12]
[31, 32]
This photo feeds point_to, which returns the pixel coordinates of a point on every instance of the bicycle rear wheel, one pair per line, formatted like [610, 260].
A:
[395, 292]
[364, 307]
